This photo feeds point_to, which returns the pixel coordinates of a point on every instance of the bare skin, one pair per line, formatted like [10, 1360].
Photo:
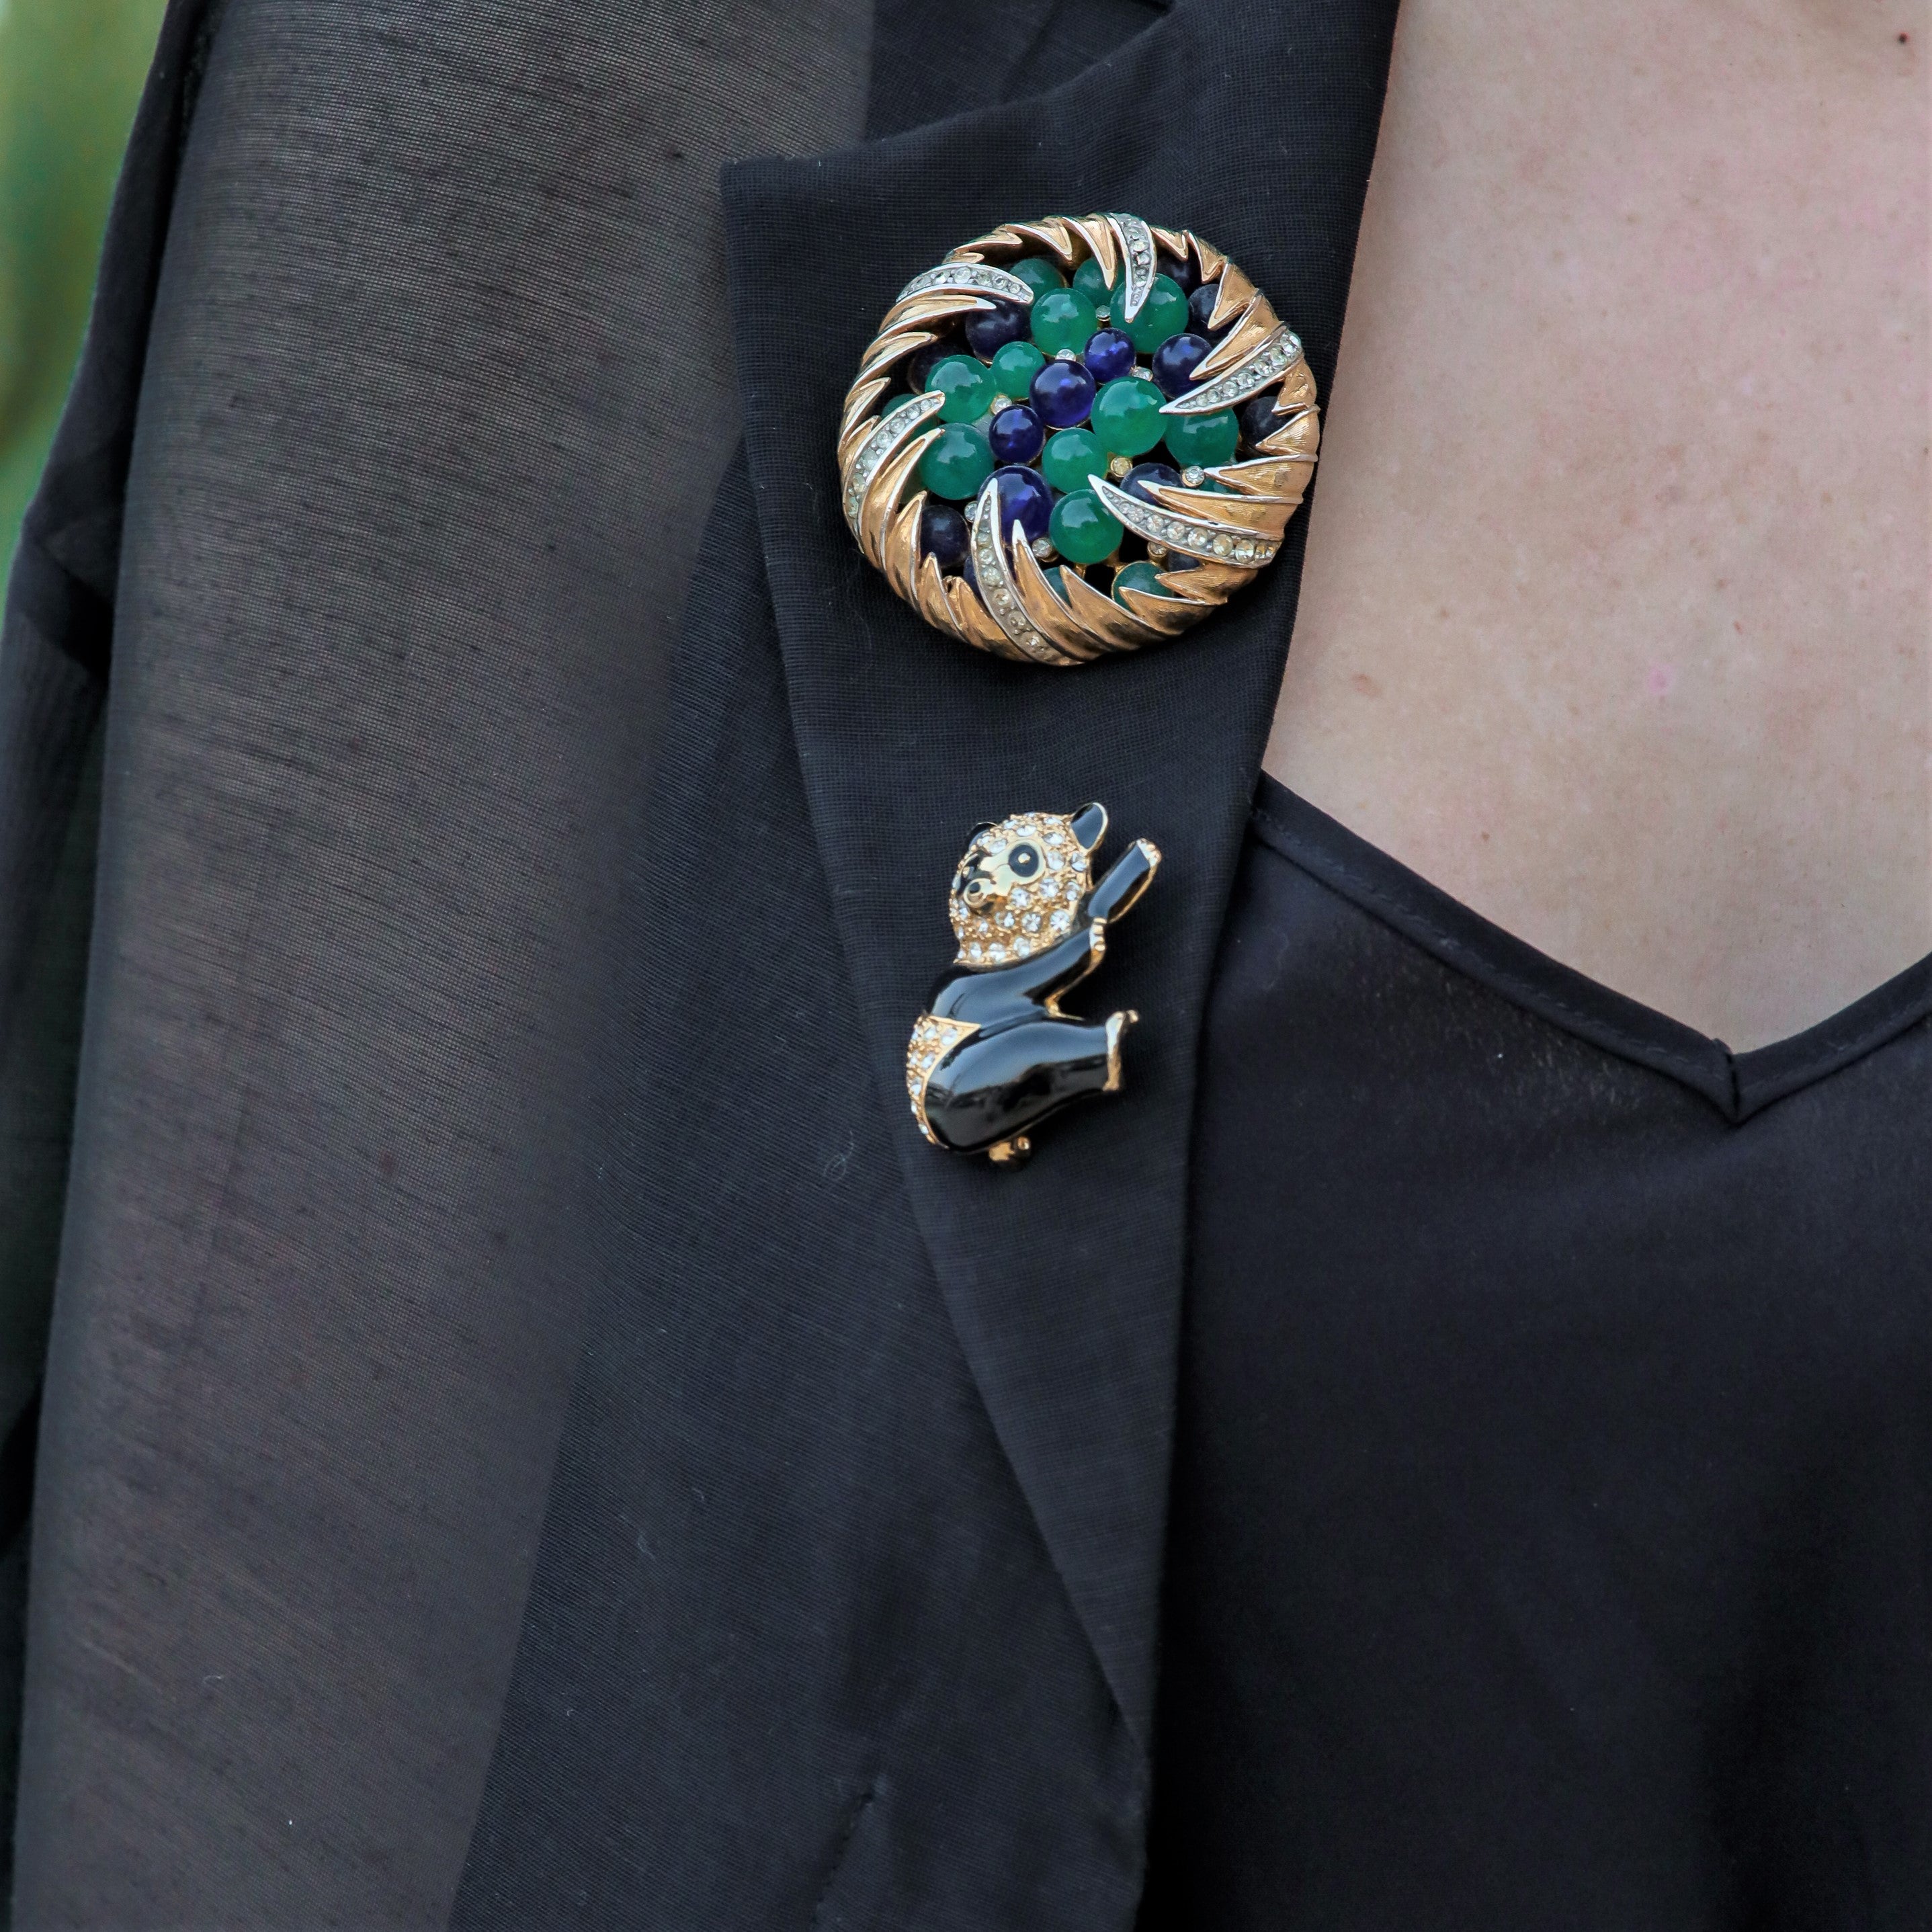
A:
[1617, 622]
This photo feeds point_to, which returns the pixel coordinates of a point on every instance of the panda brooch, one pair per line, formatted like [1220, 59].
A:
[993, 1055]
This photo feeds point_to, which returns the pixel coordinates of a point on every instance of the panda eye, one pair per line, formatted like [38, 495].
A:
[1023, 861]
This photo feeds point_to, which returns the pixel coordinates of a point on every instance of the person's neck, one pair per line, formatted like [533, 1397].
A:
[1614, 623]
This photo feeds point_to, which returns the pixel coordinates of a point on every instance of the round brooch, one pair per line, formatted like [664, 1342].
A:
[1075, 436]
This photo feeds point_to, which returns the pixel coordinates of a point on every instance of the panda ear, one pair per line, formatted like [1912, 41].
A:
[1089, 826]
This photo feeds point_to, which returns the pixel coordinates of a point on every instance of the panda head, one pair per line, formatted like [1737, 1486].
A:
[1022, 884]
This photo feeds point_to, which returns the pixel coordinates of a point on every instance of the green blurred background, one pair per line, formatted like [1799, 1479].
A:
[70, 73]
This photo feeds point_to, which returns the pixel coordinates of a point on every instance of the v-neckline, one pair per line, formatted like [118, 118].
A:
[1738, 1084]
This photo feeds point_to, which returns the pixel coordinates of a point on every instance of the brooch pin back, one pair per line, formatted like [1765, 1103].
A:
[1074, 437]
[994, 1054]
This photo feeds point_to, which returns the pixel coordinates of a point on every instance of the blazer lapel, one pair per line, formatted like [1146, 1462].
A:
[1255, 127]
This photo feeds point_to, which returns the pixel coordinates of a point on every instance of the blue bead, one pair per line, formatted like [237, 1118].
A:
[1017, 435]
[1174, 361]
[1137, 479]
[921, 363]
[1201, 306]
[1023, 495]
[1184, 275]
[988, 330]
[943, 534]
[1063, 393]
[1260, 418]
[1110, 353]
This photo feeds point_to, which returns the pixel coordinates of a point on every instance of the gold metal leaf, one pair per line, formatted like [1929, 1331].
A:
[1219, 580]
[1169, 616]
[898, 555]
[939, 305]
[1237, 292]
[1097, 232]
[974, 622]
[1200, 585]
[1298, 388]
[861, 418]
[930, 594]
[1055, 236]
[1048, 613]
[1114, 623]
[1256, 324]
[889, 345]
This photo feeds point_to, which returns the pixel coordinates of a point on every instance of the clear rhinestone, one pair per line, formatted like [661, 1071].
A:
[1007, 921]
[975, 951]
[1221, 546]
[1020, 898]
[1244, 551]
[996, 952]
[1194, 476]
[1080, 862]
[1031, 921]
[1061, 921]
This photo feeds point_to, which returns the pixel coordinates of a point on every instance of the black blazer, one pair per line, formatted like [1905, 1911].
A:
[845, 1613]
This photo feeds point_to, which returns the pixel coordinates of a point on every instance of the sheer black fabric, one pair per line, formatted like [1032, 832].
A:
[1552, 1507]
[436, 394]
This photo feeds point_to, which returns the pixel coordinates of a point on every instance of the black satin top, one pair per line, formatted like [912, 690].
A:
[1552, 1531]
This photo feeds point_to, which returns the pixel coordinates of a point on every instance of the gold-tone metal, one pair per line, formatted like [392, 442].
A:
[995, 1053]
[1208, 545]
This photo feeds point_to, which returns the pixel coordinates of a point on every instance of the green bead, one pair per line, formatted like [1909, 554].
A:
[966, 384]
[1082, 532]
[1205, 440]
[1014, 368]
[1062, 319]
[1057, 578]
[1163, 314]
[1127, 415]
[1139, 577]
[957, 462]
[1091, 284]
[1038, 273]
[1070, 457]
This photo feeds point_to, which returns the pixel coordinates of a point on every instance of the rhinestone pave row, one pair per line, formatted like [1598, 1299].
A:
[893, 431]
[1202, 540]
[971, 277]
[1277, 354]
